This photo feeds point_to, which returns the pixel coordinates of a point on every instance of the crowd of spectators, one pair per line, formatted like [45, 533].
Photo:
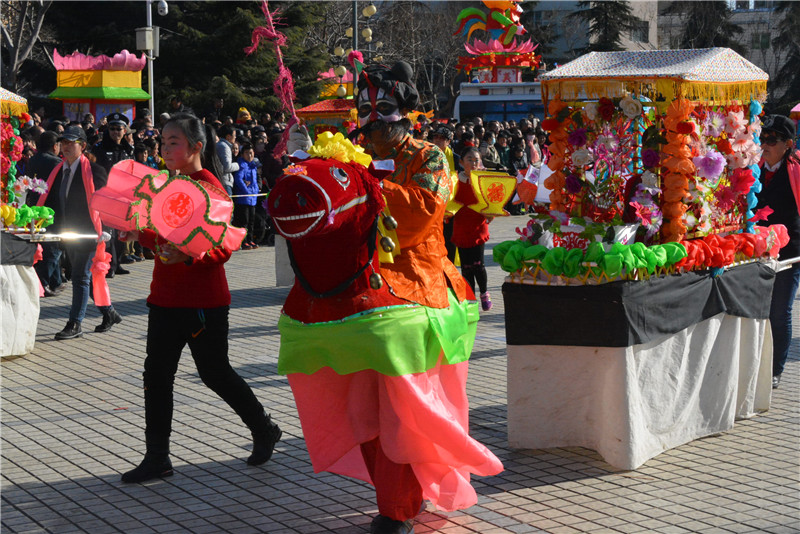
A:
[240, 153]
[508, 146]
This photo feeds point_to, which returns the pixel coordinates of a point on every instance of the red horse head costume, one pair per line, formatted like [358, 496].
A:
[328, 210]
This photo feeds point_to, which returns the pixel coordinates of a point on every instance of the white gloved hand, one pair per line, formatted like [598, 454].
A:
[104, 237]
[298, 139]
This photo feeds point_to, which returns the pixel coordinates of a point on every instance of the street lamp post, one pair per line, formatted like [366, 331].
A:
[147, 40]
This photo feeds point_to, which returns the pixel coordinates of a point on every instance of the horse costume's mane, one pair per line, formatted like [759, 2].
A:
[328, 207]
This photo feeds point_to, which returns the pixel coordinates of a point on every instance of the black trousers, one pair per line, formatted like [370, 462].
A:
[206, 333]
[447, 231]
[243, 217]
[472, 267]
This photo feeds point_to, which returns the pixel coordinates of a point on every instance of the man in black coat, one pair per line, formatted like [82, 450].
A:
[40, 166]
[111, 150]
[67, 196]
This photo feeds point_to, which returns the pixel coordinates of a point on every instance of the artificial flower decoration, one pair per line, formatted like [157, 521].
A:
[761, 214]
[609, 141]
[710, 166]
[650, 158]
[577, 138]
[649, 179]
[631, 107]
[591, 111]
[573, 184]
[581, 157]
[714, 124]
[606, 109]
[734, 122]
[742, 142]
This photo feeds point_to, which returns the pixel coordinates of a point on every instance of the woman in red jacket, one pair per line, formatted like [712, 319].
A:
[188, 302]
[471, 229]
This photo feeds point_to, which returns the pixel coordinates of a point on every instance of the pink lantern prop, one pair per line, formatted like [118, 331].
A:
[114, 200]
[191, 215]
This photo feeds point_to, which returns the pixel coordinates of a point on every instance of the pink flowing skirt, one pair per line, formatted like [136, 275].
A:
[421, 419]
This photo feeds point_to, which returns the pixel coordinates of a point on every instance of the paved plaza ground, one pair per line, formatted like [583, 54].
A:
[73, 418]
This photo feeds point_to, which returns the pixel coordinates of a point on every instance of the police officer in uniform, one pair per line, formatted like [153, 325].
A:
[111, 150]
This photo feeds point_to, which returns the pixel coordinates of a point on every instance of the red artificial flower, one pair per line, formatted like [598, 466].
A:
[742, 180]
[726, 198]
[550, 125]
[606, 109]
[761, 215]
[724, 146]
[685, 127]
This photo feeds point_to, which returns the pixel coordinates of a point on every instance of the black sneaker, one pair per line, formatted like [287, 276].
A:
[776, 381]
[122, 270]
[109, 320]
[72, 330]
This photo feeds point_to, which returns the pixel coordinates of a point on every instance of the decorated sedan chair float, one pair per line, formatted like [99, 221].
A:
[19, 286]
[652, 183]
[378, 381]
[189, 214]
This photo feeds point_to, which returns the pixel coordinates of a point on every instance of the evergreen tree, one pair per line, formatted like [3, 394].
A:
[202, 48]
[607, 22]
[706, 24]
[788, 42]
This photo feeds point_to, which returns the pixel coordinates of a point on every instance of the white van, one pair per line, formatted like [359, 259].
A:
[499, 101]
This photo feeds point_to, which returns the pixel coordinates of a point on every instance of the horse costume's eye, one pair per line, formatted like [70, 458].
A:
[341, 176]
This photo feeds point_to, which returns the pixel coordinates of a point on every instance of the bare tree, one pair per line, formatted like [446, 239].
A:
[21, 23]
[421, 33]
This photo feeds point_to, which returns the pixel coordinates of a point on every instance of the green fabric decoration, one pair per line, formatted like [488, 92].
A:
[24, 215]
[511, 255]
[660, 255]
[43, 213]
[572, 262]
[393, 340]
[500, 250]
[675, 252]
[534, 253]
[612, 265]
[512, 261]
[553, 261]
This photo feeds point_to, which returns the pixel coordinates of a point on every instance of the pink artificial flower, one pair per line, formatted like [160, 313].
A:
[710, 166]
[742, 142]
[643, 213]
[734, 122]
[714, 124]
[736, 160]
[752, 156]
[609, 141]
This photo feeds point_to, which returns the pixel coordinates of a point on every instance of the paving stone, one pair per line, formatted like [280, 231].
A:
[72, 421]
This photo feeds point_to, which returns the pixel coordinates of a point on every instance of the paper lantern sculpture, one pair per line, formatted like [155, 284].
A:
[191, 215]
[500, 58]
[99, 84]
